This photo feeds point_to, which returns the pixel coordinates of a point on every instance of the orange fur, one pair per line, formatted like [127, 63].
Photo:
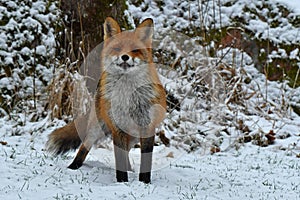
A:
[124, 49]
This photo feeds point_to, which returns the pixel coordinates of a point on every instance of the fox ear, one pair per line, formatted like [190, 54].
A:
[111, 28]
[145, 30]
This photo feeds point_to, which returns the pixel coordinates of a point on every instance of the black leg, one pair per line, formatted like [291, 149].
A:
[75, 164]
[146, 159]
[79, 159]
[145, 177]
[122, 160]
[121, 176]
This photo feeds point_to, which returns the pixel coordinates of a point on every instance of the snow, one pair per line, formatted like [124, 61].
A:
[41, 50]
[252, 172]
[294, 54]
[239, 171]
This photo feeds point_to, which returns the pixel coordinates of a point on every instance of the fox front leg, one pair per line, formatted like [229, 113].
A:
[121, 151]
[146, 159]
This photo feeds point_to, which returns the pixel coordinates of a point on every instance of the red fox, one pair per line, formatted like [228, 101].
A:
[130, 101]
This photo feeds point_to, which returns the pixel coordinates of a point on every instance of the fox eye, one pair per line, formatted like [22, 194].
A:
[135, 51]
[117, 49]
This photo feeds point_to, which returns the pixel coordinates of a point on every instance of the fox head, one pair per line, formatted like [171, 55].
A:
[127, 51]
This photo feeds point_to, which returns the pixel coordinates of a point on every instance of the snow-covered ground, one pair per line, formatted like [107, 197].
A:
[239, 171]
[252, 172]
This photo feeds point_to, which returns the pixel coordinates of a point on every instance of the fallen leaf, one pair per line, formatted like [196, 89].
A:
[170, 155]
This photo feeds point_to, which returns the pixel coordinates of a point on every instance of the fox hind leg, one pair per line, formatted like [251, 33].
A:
[80, 157]
[83, 150]
[95, 131]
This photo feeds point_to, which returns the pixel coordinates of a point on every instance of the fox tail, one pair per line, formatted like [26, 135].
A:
[68, 137]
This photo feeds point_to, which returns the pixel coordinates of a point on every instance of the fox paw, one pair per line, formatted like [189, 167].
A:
[75, 165]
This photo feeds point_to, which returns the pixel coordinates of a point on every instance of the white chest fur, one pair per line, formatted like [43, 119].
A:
[130, 95]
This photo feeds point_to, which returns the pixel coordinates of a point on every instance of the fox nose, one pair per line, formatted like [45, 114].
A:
[125, 57]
